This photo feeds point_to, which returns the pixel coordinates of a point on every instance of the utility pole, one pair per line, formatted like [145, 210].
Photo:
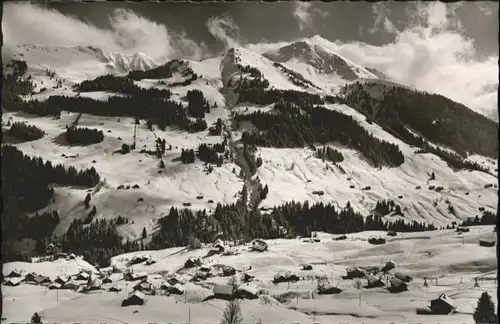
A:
[189, 310]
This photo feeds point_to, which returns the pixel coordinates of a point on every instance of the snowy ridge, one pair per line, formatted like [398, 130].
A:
[130, 62]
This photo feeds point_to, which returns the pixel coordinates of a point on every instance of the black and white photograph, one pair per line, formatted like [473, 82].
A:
[249, 162]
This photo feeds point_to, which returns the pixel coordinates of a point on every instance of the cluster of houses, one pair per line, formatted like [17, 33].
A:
[83, 281]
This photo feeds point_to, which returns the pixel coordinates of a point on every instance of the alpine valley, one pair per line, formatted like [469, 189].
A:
[112, 156]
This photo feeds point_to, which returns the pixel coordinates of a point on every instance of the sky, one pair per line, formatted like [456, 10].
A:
[451, 49]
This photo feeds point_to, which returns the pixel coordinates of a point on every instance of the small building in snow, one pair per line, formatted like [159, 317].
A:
[374, 281]
[307, 267]
[55, 285]
[486, 243]
[397, 285]
[246, 292]
[82, 276]
[14, 274]
[259, 245]
[174, 280]
[114, 289]
[403, 277]
[191, 263]
[133, 276]
[355, 272]
[224, 292]
[94, 284]
[70, 285]
[328, 290]
[134, 298]
[442, 305]
[174, 290]
[247, 277]
[42, 280]
[62, 279]
[13, 281]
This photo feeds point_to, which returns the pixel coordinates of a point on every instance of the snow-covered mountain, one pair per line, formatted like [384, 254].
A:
[420, 165]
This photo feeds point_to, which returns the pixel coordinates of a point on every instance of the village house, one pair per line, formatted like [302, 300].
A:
[114, 289]
[70, 285]
[173, 290]
[133, 276]
[174, 279]
[403, 277]
[14, 274]
[94, 284]
[246, 292]
[82, 276]
[62, 279]
[224, 292]
[134, 298]
[247, 277]
[374, 281]
[397, 286]
[13, 281]
[355, 272]
[54, 285]
[442, 305]
[307, 267]
[326, 289]
[486, 243]
[259, 245]
[286, 276]
[42, 280]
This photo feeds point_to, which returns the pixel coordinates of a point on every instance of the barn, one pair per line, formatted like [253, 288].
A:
[13, 281]
[486, 243]
[259, 245]
[246, 292]
[355, 272]
[328, 290]
[403, 277]
[397, 285]
[442, 305]
[134, 298]
[174, 290]
[14, 274]
[223, 292]
[133, 276]
[374, 281]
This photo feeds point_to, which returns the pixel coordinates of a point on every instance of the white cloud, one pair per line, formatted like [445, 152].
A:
[431, 54]
[129, 33]
[304, 13]
[224, 29]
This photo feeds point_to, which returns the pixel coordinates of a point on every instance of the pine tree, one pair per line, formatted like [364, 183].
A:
[144, 234]
[232, 313]
[36, 319]
[87, 201]
[485, 310]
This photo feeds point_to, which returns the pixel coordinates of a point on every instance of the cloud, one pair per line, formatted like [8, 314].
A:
[432, 54]
[26, 23]
[304, 13]
[381, 12]
[225, 30]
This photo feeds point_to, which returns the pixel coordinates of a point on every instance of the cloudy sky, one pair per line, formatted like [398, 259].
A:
[450, 49]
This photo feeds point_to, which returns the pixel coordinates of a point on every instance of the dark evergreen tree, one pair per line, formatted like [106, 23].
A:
[36, 319]
[484, 313]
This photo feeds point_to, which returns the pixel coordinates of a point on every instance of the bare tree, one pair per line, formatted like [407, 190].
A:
[232, 313]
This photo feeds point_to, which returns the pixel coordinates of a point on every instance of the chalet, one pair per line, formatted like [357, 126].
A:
[30, 277]
[174, 280]
[376, 241]
[246, 292]
[138, 259]
[307, 267]
[224, 292]
[247, 277]
[486, 243]
[201, 275]
[191, 263]
[134, 298]
[13, 281]
[14, 274]
[133, 276]
[82, 276]
[71, 256]
[328, 290]
[259, 245]
[150, 262]
[174, 290]
[397, 285]
[70, 285]
[114, 289]
[442, 305]
[462, 229]
[62, 279]
[374, 281]
[94, 284]
[392, 233]
[340, 238]
[143, 286]
[218, 247]
[355, 272]
[106, 280]
[55, 286]
[42, 279]
[228, 271]
[60, 255]
[285, 277]
[403, 277]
